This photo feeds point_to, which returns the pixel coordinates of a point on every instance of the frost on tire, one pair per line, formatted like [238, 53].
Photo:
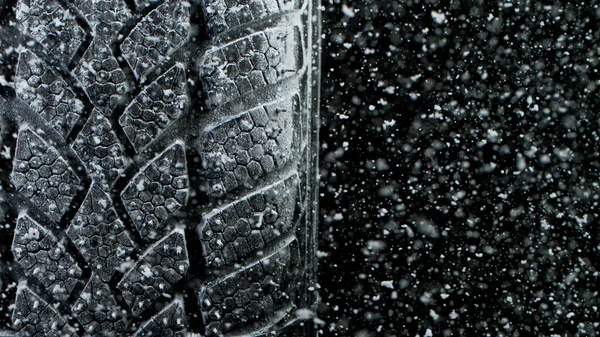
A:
[99, 234]
[249, 146]
[148, 45]
[160, 267]
[168, 322]
[43, 257]
[100, 151]
[43, 176]
[252, 298]
[47, 93]
[32, 316]
[245, 65]
[157, 191]
[243, 228]
[155, 108]
[97, 310]
[53, 26]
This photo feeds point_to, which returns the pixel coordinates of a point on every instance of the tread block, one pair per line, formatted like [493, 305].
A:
[53, 26]
[157, 191]
[106, 17]
[251, 297]
[161, 266]
[100, 151]
[47, 93]
[156, 36]
[97, 310]
[99, 234]
[255, 61]
[43, 176]
[101, 78]
[242, 229]
[43, 257]
[156, 107]
[249, 146]
[33, 316]
[222, 15]
[169, 322]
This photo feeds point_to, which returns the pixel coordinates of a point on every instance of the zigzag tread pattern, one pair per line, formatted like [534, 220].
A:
[257, 142]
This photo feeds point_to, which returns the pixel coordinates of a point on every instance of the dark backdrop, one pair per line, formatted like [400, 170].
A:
[459, 168]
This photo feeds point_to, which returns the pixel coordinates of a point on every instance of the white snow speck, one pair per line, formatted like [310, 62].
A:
[387, 124]
[387, 284]
[348, 11]
[438, 17]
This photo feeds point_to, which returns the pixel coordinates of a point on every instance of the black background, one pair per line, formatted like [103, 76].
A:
[460, 161]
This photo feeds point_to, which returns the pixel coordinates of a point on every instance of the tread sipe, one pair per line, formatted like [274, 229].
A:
[157, 167]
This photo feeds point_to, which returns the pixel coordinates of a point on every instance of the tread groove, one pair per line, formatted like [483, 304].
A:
[83, 23]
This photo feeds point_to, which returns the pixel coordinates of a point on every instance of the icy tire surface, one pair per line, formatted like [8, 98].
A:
[156, 167]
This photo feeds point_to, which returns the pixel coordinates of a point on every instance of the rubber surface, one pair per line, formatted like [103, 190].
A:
[157, 168]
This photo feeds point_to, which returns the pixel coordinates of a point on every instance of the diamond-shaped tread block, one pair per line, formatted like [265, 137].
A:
[97, 310]
[251, 297]
[100, 151]
[53, 26]
[43, 176]
[47, 93]
[43, 257]
[156, 36]
[106, 17]
[157, 191]
[249, 146]
[222, 15]
[102, 78]
[161, 266]
[169, 322]
[99, 234]
[32, 316]
[242, 229]
[155, 108]
[253, 62]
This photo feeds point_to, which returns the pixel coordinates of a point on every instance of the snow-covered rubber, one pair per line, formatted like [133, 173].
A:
[158, 167]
